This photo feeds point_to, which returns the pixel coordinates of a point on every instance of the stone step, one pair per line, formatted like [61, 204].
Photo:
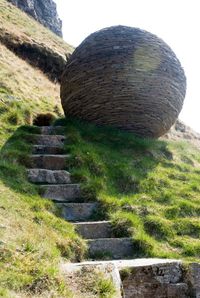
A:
[52, 130]
[49, 140]
[48, 176]
[49, 161]
[110, 248]
[61, 192]
[94, 230]
[77, 211]
[41, 149]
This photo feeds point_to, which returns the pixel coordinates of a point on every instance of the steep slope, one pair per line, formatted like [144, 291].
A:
[149, 190]
[32, 42]
[44, 12]
[28, 266]
[24, 92]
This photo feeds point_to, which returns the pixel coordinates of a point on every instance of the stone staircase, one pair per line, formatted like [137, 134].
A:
[48, 170]
[131, 278]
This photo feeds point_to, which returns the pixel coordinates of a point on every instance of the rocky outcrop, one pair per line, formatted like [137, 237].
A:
[44, 11]
[180, 131]
[167, 280]
[159, 280]
[127, 78]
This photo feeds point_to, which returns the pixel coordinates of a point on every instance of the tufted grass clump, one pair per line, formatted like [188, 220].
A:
[147, 188]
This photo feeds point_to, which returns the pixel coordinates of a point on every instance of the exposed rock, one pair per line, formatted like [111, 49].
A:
[50, 140]
[78, 211]
[162, 280]
[94, 229]
[112, 248]
[48, 161]
[180, 131]
[127, 78]
[193, 279]
[44, 11]
[61, 192]
[48, 176]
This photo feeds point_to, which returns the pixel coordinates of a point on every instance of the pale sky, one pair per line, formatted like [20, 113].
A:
[177, 22]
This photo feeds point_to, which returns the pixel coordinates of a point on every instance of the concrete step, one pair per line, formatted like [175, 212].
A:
[61, 192]
[110, 248]
[94, 230]
[49, 140]
[49, 161]
[52, 130]
[48, 176]
[77, 211]
[41, 149]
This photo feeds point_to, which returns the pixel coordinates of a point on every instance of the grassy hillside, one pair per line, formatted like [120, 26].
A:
[149, 189]
[33, 42]
[32, 236]
[24, 91]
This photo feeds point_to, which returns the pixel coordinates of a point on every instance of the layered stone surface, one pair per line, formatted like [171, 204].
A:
[127, 78]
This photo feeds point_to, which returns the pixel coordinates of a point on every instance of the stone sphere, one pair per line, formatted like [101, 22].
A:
[127, 78]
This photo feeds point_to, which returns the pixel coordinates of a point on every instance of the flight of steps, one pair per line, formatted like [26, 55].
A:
[48, 170]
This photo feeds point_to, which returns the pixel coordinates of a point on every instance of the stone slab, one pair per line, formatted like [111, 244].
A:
[94, 230]
[41, 149]
[49, 140]
[48, 176]
[78, 211]
[52, 130]
[61, 192]
[48, 161]
[113, 248]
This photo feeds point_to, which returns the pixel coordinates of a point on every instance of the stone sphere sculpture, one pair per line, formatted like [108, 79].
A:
[127, 78]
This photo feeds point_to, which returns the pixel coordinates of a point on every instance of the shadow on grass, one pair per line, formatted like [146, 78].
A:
[15, 157]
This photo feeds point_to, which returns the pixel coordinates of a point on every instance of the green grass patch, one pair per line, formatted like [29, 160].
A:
[147, 188]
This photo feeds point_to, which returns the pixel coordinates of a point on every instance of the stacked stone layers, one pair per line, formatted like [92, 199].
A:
[127, 78]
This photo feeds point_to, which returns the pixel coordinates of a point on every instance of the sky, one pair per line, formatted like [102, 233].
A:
[177, 22]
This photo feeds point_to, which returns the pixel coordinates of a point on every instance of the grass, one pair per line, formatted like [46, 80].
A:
[92, 282]
[149, 189]
[24, 28]
[28, 265]
[24, 92]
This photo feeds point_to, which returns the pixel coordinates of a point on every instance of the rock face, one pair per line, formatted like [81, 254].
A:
[180, 131]
[127, 78]
[155, 281]
[44, 11]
